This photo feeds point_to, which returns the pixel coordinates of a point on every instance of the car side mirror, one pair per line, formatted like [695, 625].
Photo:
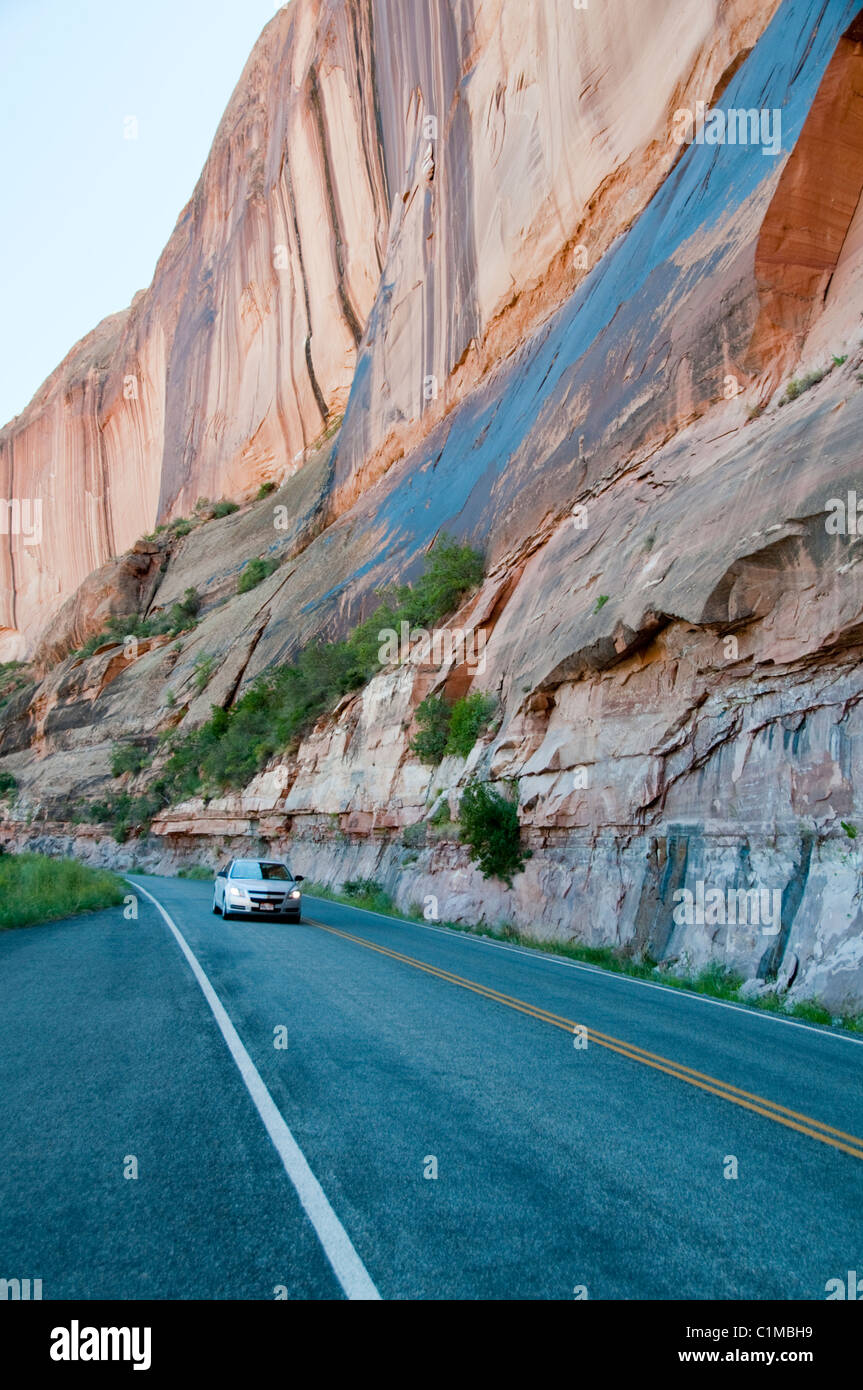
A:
[221, 874]
[299, 878]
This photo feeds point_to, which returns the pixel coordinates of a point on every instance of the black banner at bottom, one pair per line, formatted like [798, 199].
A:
[154, 1338]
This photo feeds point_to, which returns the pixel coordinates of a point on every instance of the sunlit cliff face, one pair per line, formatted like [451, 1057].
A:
[408, 190]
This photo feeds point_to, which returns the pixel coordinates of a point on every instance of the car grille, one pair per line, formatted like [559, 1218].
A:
[262, 896]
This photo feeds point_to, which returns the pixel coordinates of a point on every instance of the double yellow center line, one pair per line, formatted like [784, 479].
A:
[792, 1119]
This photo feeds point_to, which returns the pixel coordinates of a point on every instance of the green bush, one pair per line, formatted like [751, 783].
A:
[367, 893]
[181, 527]
[14, 676]
[8, 784]
[452, 570]
[470, 717]
[433, 718]
[204, 668]
[128, 814]
[35, 888]
[179, 618]
[797, 387]
[198, 873]
[490, 826]
[447, 730]
[255, 572]
[128, 757]
[441, 814]
[264, 491]
[225, 508]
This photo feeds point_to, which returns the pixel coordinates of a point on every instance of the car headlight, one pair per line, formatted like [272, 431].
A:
[295, 893]
[236, 892]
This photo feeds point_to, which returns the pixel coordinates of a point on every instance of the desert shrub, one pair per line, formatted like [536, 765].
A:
[181, 527]
[114, 631]
[126, 813]
[255, 572]
[204, 668]
[490, 826]
[14, 677]
[797, 386]
[264, 491]
[441, 814]
[367, 893]
[433, 718]
[180, 617]
[469, 718]
[225, 508]
[8, 784]
[447, 730]
[128, 757]
[451, 571]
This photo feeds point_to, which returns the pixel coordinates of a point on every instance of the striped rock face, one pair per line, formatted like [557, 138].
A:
[396, 196]
[582, 287]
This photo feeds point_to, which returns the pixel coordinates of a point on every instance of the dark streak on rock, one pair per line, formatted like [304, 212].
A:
[338, 245]
[322, 405]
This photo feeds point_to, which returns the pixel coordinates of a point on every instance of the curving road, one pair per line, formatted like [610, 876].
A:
[307, 1170]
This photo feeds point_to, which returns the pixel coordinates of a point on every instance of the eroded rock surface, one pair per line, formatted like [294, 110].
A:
[674, 620]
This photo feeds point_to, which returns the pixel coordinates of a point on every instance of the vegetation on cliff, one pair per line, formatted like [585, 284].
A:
[255, 572]
[14, 677]
[236, 743]
[284, 702]
[490, 828]
[451, 729]
[180, 617]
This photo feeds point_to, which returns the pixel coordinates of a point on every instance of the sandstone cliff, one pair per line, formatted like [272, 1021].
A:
[317, 239]
[553, 331]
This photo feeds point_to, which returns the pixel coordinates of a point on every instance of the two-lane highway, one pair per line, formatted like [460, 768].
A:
[450, 1118]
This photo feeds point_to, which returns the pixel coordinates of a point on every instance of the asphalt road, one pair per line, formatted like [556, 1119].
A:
[307, 1168]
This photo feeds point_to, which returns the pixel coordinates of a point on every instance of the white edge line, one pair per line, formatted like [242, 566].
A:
[335, 1241]
[551, 958]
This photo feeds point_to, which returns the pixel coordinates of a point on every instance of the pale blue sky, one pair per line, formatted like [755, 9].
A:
[86, 212]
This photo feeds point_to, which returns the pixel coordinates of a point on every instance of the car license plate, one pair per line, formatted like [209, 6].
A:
[267, 907]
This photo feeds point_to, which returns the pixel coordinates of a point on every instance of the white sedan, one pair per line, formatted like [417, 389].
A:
[252, 887]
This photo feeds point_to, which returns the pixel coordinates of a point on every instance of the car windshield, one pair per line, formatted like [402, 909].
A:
[254, 868]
